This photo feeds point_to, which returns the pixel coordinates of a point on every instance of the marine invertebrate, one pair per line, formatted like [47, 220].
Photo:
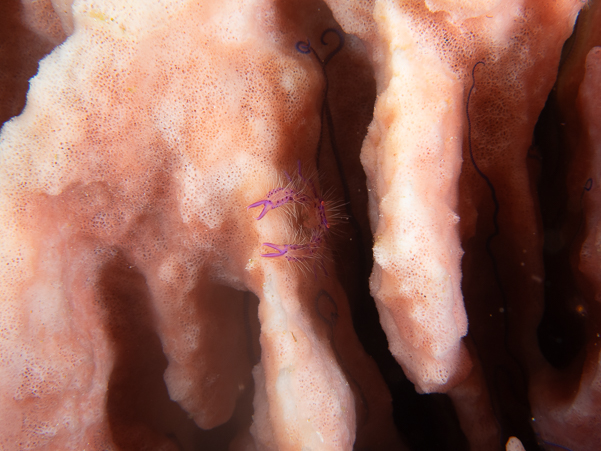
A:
[129, 260]
[311, 222]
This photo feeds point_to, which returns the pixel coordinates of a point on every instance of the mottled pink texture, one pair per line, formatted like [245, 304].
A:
[139, 304]
[124, 190]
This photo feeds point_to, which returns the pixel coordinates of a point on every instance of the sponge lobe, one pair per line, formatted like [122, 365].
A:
[144, 137]
[424, 54]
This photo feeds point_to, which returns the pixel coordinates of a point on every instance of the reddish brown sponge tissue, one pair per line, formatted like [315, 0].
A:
[136, 311]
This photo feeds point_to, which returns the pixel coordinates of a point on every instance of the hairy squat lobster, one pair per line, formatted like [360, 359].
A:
[314, 224]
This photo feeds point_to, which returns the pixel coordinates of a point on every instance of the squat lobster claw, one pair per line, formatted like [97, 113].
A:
[276, 198]
[282, 249]
[267, 206]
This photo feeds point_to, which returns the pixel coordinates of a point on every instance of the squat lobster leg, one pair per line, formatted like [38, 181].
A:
[282, 249]
[300, 253]
[295, 252]
[276, 198]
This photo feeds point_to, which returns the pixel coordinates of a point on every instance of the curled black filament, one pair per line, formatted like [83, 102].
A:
[491, 187]
[554, 445]
[327, 310]
[588, 185]
[502, 374]
[306, 48]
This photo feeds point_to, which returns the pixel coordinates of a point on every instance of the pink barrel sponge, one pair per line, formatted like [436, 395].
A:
[127, 243]
[173, 274]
